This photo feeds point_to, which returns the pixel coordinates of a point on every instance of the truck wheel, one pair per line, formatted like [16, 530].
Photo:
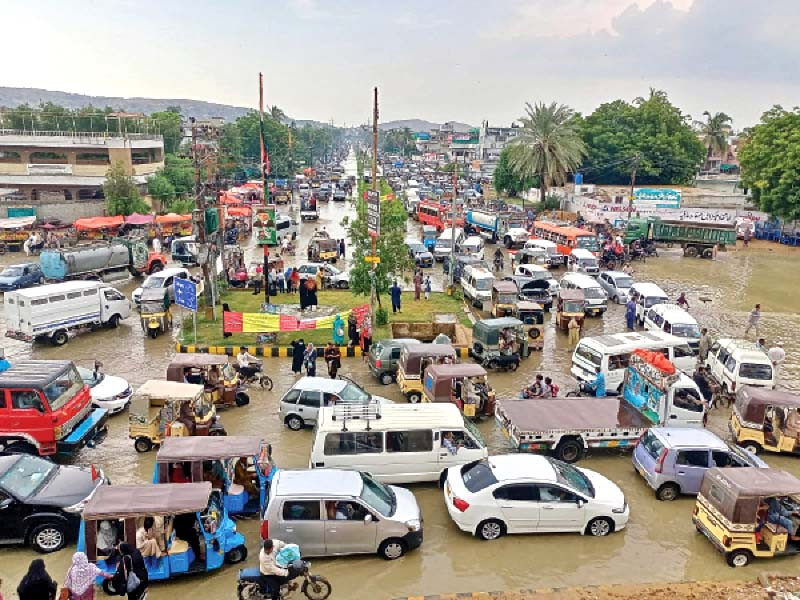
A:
[113, 322]
[690, 251]
[570, 451]
[155, 268]
[142, 444]
[59, 338]
[708, 253]
[342, 285]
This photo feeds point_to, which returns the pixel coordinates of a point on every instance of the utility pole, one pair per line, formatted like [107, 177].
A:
[265, 248]
[453, 226]
[636, 158]
[373, 291]
[200, 221]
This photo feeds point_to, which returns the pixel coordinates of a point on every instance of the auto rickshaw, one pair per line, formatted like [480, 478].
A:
[500, 343]
[744, 512]
[765, 419]
[465, 385]
[324, 249]
[429, 237]
[571, 304]
[196, 368]
[241, 466]
[504, 298]
[193, 531]
[532, 316]
[162, 409]
[154, 311]
[414, 359]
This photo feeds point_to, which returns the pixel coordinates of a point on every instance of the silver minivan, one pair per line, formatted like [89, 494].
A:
[333, 512]
[617, 285]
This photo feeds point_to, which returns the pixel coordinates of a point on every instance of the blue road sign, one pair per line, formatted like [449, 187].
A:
[186, 293]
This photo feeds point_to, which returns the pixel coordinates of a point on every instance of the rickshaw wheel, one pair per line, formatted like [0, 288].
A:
[266, 383]
[513, 366]
[242, 399]
[142, 444]
[739, 558]
[752, 447]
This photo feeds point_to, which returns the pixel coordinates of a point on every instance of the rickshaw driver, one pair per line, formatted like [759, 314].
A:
[778, 514]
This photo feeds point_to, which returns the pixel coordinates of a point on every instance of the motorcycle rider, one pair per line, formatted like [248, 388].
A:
[243, 359]
[598, 386]
[273, 576]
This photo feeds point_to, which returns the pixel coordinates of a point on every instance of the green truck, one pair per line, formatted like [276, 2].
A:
[696, 239]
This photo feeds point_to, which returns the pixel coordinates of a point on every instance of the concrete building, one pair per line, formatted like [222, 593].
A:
[491, 142]
[61, 174]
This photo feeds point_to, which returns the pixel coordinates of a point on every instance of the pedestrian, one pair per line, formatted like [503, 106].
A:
[352, 330]
[333, 358]
[342, 248]
[762, 344]
[310, 360]
[547, 390]
[280, 281]
[285, 244]
[704, 345]
[37, 583]
[4, 364]
[682, 301]
[298, 349]
[258, 281]
[746, 237]
[81, 576]
[552, 386]
[319, 280]
[753, 320]
[630, 313]
[338, 330]
[311, 292]
[366, 335]
[777, 355]
[395, 291]
[295, 277]
[427, 287]
[310, 254]
[417, 285]
[156, 244]
[288, 278]
[130, 569]
[574, 330]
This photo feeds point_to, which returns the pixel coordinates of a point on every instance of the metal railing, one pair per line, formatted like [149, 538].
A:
[82, 134]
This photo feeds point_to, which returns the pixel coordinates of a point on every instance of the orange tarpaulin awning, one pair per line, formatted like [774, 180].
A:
[229, 199]
[92, 223]
[170, 218]
[239, 211]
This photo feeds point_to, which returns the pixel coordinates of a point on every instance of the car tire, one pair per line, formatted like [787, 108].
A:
[386, 378]
[490, 529]
[569, 451]
[48, 537]
[343, 285]
[113, 322]
[142, 445]
[392, 549]
[155, 268]
[294, 423]
[668, 492]
[414, 397]
[600, 527]
[738, 558]
[750, 446]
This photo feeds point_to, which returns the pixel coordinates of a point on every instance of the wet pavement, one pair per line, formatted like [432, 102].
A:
[659, 544]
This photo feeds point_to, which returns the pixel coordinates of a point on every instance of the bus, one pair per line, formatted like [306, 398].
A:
[569, 238]
[437, 214]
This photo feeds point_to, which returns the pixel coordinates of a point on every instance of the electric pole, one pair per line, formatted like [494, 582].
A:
[373, 293]
[636, 158]
[453, 226]
[200, 221]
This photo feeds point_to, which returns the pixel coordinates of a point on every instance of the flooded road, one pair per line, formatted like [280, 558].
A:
[659, 544]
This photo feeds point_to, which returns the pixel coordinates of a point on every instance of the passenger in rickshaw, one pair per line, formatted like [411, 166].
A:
[177, 473]
[187, 529]
[471, 392]
[214, 473]
[186, 418]
[779, 515]
[192, 376]
[213, 382]
[107, 539]
[147, 541]
[244, 477]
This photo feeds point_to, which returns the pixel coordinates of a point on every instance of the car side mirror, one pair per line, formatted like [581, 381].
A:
[368, 519]
[6, 503]
[580, 502]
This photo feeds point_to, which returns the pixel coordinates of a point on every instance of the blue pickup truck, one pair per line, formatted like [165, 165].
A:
[16, 277]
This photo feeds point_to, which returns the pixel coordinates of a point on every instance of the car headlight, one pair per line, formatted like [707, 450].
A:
[414, 525]
[622, 510]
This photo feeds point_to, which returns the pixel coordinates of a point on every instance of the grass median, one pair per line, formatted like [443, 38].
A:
[209, 332]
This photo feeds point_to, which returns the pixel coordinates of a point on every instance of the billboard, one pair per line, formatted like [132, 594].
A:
[656, 198]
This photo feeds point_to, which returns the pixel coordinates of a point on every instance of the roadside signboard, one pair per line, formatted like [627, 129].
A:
[656, 198]
[373, 213]
[372, 259]
[186, 293]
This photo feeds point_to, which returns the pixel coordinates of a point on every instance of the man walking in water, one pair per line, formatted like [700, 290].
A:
[753, 320]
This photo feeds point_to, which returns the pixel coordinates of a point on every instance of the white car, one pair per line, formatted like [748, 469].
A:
[528, 493]
[109, 392]
[333, 277]
[164, 279]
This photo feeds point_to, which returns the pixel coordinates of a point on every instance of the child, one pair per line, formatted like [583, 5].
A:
[427, 287]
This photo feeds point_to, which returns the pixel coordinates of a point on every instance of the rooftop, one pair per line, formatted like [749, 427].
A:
[316, 482]
[72, 139]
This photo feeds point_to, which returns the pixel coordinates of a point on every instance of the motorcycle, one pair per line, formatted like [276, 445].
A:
[498, 264]
[585, 390]
[650, 249]
[314, 587]
[255, 376]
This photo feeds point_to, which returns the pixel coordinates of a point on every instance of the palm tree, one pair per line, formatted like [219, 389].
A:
[714, 132]
[548, 146]
[653, 95]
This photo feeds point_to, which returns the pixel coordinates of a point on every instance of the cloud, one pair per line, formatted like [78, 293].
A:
[308, 9]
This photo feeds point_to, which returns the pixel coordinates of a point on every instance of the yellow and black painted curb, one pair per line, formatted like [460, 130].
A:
[278, 351]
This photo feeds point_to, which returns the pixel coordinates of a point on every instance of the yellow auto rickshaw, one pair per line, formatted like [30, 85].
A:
[743, 512]
[504, 297]
[160, 409]
[532, 316]
[154, 312]
[222, 384]
[765, 419]
[571, 304]
[466, 385]
[414, 359]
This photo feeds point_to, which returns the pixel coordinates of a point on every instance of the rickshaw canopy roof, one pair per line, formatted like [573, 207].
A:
[455, 371]
[573, 295]
[499, 323]
[123, 501]
[523, 305]
[198, 360]
[179, 449]
[159, 389]
[736, 493]
[153, 295]
[505, 287]
[751, 402]
[412, 354]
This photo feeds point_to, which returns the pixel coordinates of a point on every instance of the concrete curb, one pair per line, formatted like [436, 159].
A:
[278, 351]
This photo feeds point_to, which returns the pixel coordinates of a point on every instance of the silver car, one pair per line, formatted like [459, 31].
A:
[331, 512]
[616, 284]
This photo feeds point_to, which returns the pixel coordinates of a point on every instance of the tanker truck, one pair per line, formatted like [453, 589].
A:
[102, 260]
[505, 227]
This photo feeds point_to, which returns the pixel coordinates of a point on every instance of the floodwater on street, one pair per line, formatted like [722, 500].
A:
[659, 544]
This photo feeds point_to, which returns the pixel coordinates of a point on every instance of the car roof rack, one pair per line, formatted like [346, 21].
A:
[368, 412]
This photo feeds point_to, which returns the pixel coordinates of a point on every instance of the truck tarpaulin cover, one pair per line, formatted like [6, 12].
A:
[137, 219]
[656, 359]
[171, 218]
[236, 322]
[94, 223]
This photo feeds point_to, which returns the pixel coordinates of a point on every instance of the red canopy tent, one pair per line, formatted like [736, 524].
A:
[239, 211]
[97, 223]
[137, 219]
[172, 218]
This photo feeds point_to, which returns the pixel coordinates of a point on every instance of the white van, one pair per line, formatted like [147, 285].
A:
[444, 243]
[525, 274]
[583, 261]
[673, 319]
[403, 444]
[553, 257]
[734, 363]
[473, 246]
[612, 353]
[477, 282]
[646, 295]
[285, 225]
[595, 295]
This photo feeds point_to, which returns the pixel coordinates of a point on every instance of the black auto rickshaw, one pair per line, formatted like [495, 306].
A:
[222, 384]
[154, 311]
[537, 291]
[532, 316]
[499, 343]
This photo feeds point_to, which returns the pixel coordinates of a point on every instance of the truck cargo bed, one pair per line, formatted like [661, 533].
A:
[572, 414]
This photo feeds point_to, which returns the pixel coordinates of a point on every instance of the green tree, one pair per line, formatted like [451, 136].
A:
[398, 141]
[714, 132]
[161, 188]
[652, 128]
[770, 162]
[390, 247]
[506, 180]
[122, 195]
[549, 145]
[168, 123]
[180, 173]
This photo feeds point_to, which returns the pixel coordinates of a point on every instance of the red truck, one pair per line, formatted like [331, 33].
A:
[46, 409]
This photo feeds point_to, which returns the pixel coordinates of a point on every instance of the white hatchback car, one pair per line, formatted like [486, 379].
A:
[107, 391]
[528, 493]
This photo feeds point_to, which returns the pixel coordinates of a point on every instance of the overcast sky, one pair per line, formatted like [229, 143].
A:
[464, 60]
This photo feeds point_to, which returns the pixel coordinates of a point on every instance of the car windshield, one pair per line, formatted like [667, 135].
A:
[90, 378]
[483, 284]
[586, 353]
[477, 476]
[572, 476]
[26, 475]
[587, 242]
[623, 283]
[353, 393]
[653, 300]
[755, 371]
[685, 330]
[12, 272]
[154, 282]
[68, 384]
[378, 496]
